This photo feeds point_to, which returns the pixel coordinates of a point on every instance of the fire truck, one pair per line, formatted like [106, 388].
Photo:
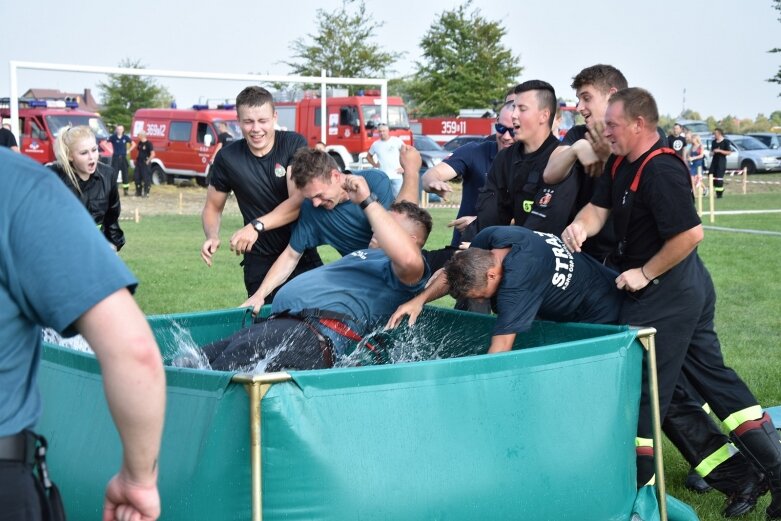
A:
[351, 121]
[41, 120]
[477, 123]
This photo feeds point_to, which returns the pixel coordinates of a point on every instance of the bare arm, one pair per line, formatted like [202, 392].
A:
[370, 159]
[675, 249]
[132, 147]
[501, 343]
[211, 218]
[437, 288]
[277, 275]
[590, 219]
[410, 160]
[285, 213]
[435, 180]
[559, 164]
[134, 383]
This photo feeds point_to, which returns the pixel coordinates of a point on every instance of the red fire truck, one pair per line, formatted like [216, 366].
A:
[41, 120]
[443, 130]
[351, 123]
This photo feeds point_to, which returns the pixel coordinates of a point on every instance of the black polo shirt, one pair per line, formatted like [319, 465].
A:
[260, 183]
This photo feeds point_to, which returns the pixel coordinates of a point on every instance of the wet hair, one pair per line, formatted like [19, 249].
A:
[546, 96]
[603, 77]
[63, 146]
[416, 214]
[309, 164]
[467, 271]
[638, 103]
[254, 96]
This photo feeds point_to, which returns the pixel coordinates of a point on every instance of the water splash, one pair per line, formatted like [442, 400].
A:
[184, 352]
[77, 343]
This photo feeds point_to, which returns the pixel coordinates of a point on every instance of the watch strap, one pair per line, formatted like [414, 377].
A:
[369, 200]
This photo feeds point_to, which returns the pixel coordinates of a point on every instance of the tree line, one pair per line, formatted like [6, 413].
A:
[464, 64]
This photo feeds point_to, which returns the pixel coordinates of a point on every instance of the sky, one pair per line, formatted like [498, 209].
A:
[709, 56]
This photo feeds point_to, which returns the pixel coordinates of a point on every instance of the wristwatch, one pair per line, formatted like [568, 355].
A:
[369, 200]
[258, 225]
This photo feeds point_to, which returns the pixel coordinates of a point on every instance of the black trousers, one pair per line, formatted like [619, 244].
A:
[20, 494]
[119, 163]
[256, 267]
[681, 308]
[142, 176]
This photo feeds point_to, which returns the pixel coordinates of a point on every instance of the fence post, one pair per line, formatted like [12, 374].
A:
[745, 174]
[711, 198]
[137, 216]
[181, 203]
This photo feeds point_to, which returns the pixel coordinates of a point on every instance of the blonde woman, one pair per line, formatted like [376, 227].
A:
[696, 161]
[94, 183]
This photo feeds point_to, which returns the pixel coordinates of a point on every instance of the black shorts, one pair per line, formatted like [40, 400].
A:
[256, 267]
[20, 497]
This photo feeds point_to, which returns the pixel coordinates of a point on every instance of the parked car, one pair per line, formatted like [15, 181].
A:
[749, 153]
[430, 152]
[462, 140]
[770, 139]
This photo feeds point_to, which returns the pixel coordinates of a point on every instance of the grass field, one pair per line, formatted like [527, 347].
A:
[163, 251]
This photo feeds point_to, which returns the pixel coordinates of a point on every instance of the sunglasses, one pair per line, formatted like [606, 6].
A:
[501, 129]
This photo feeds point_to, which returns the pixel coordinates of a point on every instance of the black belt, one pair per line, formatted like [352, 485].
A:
[18, 447]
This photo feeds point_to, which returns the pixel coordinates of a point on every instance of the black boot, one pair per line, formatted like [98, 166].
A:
[138, 190]
[740, 482]
[759, 441]
[695, 483]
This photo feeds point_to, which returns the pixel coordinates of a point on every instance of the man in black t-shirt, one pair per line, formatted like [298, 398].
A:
[677, 140]
[719, 149]
[514, 190]
[667, 287]
[118, 142]
[223, 139]
[7, 139]
[142, 175]
[255, 169]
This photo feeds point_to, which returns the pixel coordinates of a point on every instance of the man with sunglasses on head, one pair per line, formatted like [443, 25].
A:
[514, 191]
[472, 162]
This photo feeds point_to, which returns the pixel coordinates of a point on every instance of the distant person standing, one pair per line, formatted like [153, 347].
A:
[696, 160]
[223, 139]
[119, 151]
[143, 173]
[677, 140]
[7, 138]
[388, 150]
[720, 149]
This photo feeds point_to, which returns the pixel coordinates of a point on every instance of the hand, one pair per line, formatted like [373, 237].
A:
[256, 302]
[243, 240]
[208, 249]
[126, 500]
[632, 280]
[356, 187]
[410, 160]
[464, 245]
[574, 236]
[596, 137]
[410, 308]
[441, 188]
[462, 223]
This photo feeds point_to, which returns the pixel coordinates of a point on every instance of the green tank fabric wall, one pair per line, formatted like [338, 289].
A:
[543, 433]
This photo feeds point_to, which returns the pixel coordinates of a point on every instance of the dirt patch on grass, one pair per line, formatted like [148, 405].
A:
[182, 199]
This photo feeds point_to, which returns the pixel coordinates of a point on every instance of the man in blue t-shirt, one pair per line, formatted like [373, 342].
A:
[329, 310]
[472, 162]
[527, 274]
[61, 273]
[327, 215]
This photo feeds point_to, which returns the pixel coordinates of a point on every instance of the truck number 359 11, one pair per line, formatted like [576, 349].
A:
[453, 127]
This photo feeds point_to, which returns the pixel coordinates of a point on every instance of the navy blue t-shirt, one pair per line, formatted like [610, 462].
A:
[119, 144]
[472, 162]
[541, 278]
[346, 227]
[361, 285]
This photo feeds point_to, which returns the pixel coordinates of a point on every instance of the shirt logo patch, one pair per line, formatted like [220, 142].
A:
[527, 205]
[279, 170]
[545, 199]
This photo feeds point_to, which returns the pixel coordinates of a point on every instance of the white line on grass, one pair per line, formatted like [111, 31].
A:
[739, 230]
